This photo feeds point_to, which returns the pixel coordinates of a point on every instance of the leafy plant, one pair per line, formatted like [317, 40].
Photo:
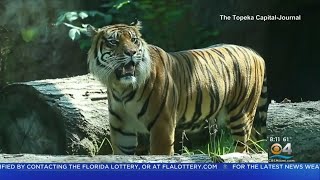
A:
[29, 34]
[77, 21]
[121, 11]
[167, 24]
[222, 143]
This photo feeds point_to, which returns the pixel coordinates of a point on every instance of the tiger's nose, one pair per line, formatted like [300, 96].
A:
[130, 52]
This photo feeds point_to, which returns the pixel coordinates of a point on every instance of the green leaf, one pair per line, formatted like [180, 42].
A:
[29, 34]
[60, 19]
[74, 34]
[122, 3]
[83, 15]
[96, 13]
[71, 16]
[84, 25]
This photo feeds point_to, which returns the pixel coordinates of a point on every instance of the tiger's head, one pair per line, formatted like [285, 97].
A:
[118, 55]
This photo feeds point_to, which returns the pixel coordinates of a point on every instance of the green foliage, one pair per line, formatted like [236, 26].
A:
[29, 34]
[74, 34]
[168, 24]
[218, 145]
[78, 20]
[120, 4]
[222, 144]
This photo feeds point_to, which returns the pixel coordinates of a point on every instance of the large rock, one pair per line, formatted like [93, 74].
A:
[298, 124]
[244, 158]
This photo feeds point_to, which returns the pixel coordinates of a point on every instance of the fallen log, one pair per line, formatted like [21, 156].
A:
[55, 116]
[102, 159]
[69, 116]
[199, 158]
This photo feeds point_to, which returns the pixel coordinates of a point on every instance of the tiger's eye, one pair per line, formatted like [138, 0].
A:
[112, 42]
[134, 40]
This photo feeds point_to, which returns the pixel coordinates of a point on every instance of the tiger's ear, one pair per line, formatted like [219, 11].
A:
[137, 24]
[91, 31]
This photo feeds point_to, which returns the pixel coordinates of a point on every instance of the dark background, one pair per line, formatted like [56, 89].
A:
[35, 44]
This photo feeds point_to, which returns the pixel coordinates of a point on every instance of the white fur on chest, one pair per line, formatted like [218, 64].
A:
[129, 114]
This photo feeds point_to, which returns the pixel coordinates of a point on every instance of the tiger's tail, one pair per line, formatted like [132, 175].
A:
[260, 119]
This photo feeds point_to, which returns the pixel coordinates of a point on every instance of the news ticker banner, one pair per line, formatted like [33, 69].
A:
[157, 166]
[185, 171]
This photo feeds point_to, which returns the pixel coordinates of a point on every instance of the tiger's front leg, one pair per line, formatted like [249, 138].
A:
[162, 136]
[123, 141]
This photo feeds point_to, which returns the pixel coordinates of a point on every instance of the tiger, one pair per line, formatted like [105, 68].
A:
[151, 91]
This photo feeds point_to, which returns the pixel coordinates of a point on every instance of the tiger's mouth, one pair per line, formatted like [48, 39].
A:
[126, 70]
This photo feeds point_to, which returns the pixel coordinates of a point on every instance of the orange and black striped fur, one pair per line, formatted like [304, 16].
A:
[153, 91]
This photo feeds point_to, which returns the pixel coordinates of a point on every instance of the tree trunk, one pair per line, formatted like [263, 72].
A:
[58, 116]
[5, 46]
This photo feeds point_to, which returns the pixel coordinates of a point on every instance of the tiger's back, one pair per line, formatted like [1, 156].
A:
[222, 82]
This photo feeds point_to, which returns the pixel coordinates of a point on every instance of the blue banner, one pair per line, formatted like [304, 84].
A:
[145, 170]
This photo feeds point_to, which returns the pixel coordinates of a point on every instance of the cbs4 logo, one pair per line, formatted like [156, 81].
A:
[276, 149]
